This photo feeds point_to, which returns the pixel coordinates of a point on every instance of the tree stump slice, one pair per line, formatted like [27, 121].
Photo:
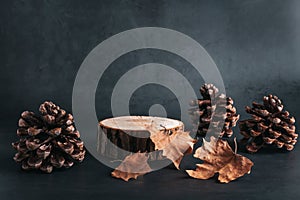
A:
[129, 133]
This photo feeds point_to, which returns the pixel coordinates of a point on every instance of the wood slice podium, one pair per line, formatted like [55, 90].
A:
[129, 133]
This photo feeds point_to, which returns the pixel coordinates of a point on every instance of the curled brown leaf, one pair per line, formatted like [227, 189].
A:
[173, 146]
[132, 166]
[219, 158]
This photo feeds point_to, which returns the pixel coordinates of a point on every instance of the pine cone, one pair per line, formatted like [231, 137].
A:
[206, 110]
[48, 140]
[269, 124]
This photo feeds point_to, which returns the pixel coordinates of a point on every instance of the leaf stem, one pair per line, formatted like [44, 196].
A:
[235, 145]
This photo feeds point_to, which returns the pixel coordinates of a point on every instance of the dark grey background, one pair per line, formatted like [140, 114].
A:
[255, 44]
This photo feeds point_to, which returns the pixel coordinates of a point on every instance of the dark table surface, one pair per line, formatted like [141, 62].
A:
[275, 175]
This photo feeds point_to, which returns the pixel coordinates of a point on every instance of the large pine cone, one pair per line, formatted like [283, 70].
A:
[206, 110]
[270, 124]
[48, 140]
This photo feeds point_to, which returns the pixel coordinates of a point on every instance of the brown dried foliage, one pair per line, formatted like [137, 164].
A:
[219, 158]
[132, 166]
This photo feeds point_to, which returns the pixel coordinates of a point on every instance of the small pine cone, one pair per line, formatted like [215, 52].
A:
[48, 140]
[269, 124]
[204, 110]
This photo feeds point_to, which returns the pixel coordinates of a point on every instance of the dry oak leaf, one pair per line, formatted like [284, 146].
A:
[173, 146]
[219, 158]
[132, 166]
